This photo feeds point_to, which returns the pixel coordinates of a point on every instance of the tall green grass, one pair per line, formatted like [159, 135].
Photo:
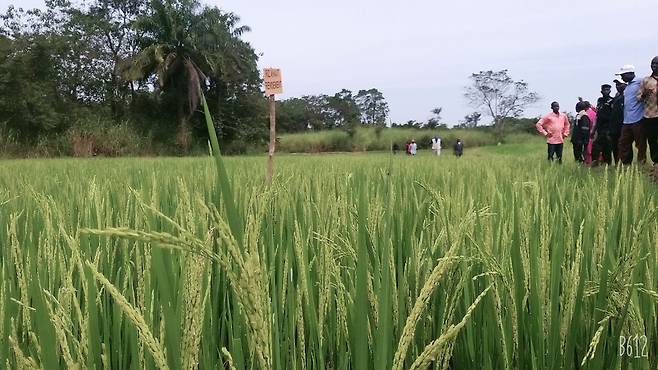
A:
[344, 262]
[371, 139]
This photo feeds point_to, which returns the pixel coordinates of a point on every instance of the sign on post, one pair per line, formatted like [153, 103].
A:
[273, 84]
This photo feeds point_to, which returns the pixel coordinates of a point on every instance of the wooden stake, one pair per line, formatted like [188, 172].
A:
[270, 160]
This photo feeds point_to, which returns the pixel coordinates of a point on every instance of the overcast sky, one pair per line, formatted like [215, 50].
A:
[420, 53]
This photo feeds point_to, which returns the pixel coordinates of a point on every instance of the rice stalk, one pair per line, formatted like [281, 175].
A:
[23, 362]
[17, 254]
[135, 317]
[432, 282]
[431, 351]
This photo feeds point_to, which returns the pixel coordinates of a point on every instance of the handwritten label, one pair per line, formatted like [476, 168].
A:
[273, 83]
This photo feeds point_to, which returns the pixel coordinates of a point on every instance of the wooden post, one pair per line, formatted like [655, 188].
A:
[270, 160]
[273, 86]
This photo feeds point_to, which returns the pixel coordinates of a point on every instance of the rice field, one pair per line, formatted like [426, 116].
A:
[491, 261]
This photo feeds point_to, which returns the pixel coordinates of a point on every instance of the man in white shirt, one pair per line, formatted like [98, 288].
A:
[436, 145]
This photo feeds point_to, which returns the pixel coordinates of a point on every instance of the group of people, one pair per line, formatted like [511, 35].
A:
[411, 148]
[607, 131]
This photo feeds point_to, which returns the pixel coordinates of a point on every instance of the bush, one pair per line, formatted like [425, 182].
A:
[8, 141]
[87, 139]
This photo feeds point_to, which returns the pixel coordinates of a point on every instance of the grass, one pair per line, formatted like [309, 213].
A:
[496, 260]
[368, 139]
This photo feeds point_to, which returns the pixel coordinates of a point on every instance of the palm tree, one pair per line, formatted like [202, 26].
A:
[185, 46]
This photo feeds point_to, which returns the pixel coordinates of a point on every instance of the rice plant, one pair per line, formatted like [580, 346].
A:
[344, 262]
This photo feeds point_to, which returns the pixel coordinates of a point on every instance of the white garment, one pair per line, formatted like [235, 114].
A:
[436, 145]
[414, 147]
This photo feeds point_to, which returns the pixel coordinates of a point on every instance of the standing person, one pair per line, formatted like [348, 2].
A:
[436, 145]
[648, 94]
[632, 131]
[459, 148]
[591, 113]
[602, 145]
[413, 147]
[555, 127]
[617, 117]
[581, 132]
[407, 148]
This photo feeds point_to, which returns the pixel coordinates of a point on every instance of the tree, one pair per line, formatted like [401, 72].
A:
[413, 124]
[343, 108]
[320, 111]
[499, 96]
[373, 107]
[30, 104]
[107, 29]
[318, 115]
[471, 120]
[186, 47]
[138, 62]
[291, 115]
[434, 122]
[32, 101]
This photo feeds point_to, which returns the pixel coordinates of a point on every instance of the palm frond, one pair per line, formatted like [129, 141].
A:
[139, 66]
[194, 77]
[169, 67]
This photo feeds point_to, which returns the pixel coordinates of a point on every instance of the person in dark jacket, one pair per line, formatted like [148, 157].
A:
[580, 136]
[617, 117]
[459, 148]
[603, 140]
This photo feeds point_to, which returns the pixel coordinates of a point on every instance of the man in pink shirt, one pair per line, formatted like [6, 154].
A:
[555, 126]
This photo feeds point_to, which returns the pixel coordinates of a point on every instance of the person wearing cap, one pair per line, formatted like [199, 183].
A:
[555, 127]
[602, 145]
[631, 130]
[648, 94]
[617, 117]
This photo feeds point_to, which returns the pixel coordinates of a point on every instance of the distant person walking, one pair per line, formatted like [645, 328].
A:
[602, 146]
[632, 131]
[648, 94]
[459, 148]
[617, 117]
[581, 132]
[555, 127]
[436, 145]
[413, 148]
